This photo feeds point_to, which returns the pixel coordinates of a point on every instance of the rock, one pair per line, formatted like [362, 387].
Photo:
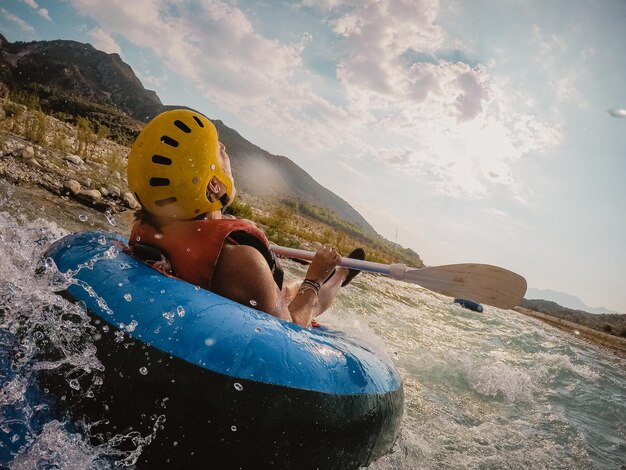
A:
[72, 186]
[114, 191]
[34, 163]
[86, 182]
[27, 153]
[91, 195]
[116, 175]
[104, 191]
[75, 159]
[130, 201]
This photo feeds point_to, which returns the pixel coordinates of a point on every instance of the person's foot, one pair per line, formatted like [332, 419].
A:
[358, 253]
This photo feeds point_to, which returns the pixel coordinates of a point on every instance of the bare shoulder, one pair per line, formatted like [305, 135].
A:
[242, 275]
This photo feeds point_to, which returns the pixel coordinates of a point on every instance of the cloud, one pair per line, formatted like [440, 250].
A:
[104, 42]
[20, 22]
[403, 101]
[40, 11]
[44, 14]
[31, 3]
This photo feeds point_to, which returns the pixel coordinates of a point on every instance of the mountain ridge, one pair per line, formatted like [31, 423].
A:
[564, 300]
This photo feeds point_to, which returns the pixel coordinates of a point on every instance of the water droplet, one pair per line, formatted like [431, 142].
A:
[238, 386]
[199, 230]
[253, 303]
[124, 266]
[188, 250]
[233, 428]
[138, 238]
[197, 287]
[175, 443]
[181, 311]
[131, 327]
[194, 180]
[15, 438]
[209, 341]
[143, 371]
[212, 166]
[110, 218]
[74, 384]
[169, 316]
[105, 328]
[120, 284]
[119, 336]
[258, 329]
[162, 291]
[128, 297]
[83, 218]
[102, 240]
[97, 380]
[158, 236]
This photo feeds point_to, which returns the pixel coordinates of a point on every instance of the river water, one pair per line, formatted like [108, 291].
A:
[491, 390]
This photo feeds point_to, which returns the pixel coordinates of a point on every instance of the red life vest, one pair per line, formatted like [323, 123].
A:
[194, 246]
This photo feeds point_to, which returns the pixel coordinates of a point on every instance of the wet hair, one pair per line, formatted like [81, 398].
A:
[145, 217]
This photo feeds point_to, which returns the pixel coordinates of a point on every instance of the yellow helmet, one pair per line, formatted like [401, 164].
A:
[172, 162]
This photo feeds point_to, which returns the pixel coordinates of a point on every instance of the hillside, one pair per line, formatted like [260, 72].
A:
[614, 324]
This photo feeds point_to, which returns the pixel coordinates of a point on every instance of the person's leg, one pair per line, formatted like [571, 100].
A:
[329, 289]
[290, 289]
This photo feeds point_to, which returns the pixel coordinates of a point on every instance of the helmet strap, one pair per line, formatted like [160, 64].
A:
[224, 200]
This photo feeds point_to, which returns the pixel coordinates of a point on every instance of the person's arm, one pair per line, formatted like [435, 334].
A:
[242, 275]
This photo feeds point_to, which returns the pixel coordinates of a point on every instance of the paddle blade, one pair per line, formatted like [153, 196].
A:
[482, 283]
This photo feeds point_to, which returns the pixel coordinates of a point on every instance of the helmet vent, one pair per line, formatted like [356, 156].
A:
[182, 126]
[195, 118]
[161, 160]
[169, 141]
[159, 182]
[165, 202]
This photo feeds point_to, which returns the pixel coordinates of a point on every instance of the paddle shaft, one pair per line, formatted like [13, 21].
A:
[361, 265]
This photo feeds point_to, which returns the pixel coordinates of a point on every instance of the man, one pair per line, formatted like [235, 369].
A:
[181, 175]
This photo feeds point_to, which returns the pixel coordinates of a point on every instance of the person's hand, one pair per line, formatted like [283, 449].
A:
[325, 260]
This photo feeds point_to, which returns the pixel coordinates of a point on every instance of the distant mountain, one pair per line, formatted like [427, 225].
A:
[77, 69]
[614, 324]
[72, 80]
[565, 300]
[260, 173]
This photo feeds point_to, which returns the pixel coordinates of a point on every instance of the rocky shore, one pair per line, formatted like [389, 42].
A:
[97, 179]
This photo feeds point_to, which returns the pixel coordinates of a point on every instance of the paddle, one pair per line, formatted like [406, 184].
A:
[482, 283]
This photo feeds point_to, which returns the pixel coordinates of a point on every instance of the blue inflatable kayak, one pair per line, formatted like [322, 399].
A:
[469, 304]
[223, 385]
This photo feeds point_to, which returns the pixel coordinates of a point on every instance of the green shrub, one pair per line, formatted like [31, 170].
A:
[12, 110]
[36, 127]
[241, 210]
[60, 142]
[84, 137]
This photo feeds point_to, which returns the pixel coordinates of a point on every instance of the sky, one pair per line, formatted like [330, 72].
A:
[490, 131]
